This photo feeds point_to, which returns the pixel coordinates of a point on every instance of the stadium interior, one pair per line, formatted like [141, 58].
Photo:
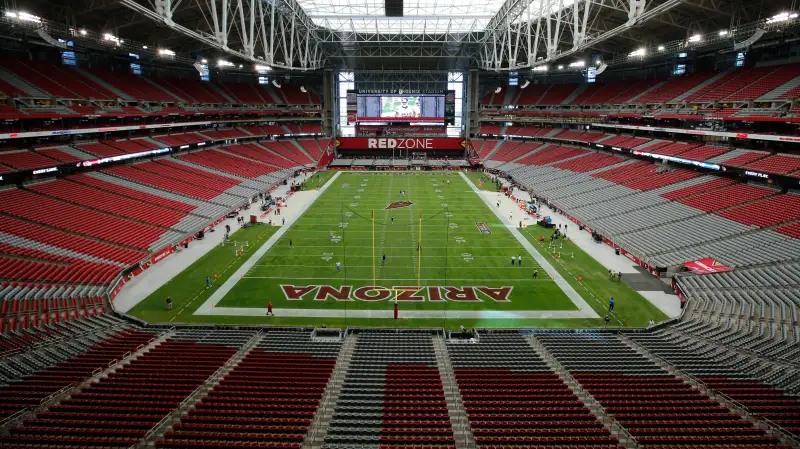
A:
[286, 224]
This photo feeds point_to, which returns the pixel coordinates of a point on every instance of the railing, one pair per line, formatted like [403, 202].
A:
[30, 409]
[713, 394]
[608, 419]
[311, 434]
[53, 341]
[461, 418]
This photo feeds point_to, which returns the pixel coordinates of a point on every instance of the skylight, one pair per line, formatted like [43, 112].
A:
[419, 16]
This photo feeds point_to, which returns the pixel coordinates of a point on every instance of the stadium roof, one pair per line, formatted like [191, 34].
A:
[497, 35]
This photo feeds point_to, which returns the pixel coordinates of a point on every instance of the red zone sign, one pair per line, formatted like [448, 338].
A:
[411, 294]
[400, 143]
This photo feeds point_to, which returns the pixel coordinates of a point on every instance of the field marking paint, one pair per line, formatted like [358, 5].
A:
[228, 285]
[404, 314]
[562, 283]
[341, 278]
[598, 300]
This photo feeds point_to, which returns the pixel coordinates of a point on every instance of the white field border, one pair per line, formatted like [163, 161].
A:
[209, 306]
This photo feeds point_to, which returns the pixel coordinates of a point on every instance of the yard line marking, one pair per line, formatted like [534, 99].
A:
[573, 295]
[226, 287]
[341, 278]
[404, 314]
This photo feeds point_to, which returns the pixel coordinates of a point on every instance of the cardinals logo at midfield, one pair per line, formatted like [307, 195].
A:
[399, 204]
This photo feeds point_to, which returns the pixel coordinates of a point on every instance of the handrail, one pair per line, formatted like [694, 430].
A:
[738, 405]
[57, 340]
[609, 418]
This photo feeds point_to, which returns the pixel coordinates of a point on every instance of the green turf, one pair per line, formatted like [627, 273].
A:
[317, 180]
[453, 253]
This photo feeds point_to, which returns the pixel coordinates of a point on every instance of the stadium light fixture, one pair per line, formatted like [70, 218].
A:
[695, 38]
[638, 53]
[782, 17]
[560, 67]
[23, 16]
[240, 66]
[165, 52]
[204, 61]
[577, 64]
[224, 63]
[111, 38]
[262, 68]
[660, 48]
[540, 68]
[83, 32]
[723, 32]
[144, 47]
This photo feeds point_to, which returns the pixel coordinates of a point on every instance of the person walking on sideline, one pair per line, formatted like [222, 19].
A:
[169, 302]
[269, 309]
[512, 260]
[611, 305]
[284, 221]
[208, 282]
[535, 273]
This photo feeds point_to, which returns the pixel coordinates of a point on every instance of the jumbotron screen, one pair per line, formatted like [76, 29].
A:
[400, 107]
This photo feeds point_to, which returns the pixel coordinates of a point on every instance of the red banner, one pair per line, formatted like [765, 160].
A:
[400, 143]
[708, 265]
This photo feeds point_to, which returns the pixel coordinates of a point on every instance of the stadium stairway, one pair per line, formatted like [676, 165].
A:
[608, 421]
[165, 425]
[659, 409]
[455, 403]
[322, 420]
[734, 407]
[137, 344]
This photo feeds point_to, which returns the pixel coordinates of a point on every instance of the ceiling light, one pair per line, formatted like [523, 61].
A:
[793, 15]
[165, 52]
[262, 68]
[598, 62]
[83, 32]
[723, 32]
[560, 67]
[540, 68]
[224, 63]
[640, 53]
[144, 46]
[695, 38]
[240, 66]
[577, 64]
[204, 61]
[660, 48]
[782, 17]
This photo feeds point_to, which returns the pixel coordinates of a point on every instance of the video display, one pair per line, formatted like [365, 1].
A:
[400, 107]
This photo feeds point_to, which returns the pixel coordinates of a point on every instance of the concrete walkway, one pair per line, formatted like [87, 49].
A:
[151, 280]
[300, 202]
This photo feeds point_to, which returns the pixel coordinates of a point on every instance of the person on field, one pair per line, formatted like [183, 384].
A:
[519, 260]
[169, 302]
[208, 282]
[535, 273]
[269, 309]
[290, 244]
[383, 259]
[611, 305]
[512, 260]
[338, 267]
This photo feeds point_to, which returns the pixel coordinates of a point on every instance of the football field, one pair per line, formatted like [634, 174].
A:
[428, 242]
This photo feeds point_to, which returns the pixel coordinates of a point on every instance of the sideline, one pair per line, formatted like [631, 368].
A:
[226, 287]
[562, 283]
